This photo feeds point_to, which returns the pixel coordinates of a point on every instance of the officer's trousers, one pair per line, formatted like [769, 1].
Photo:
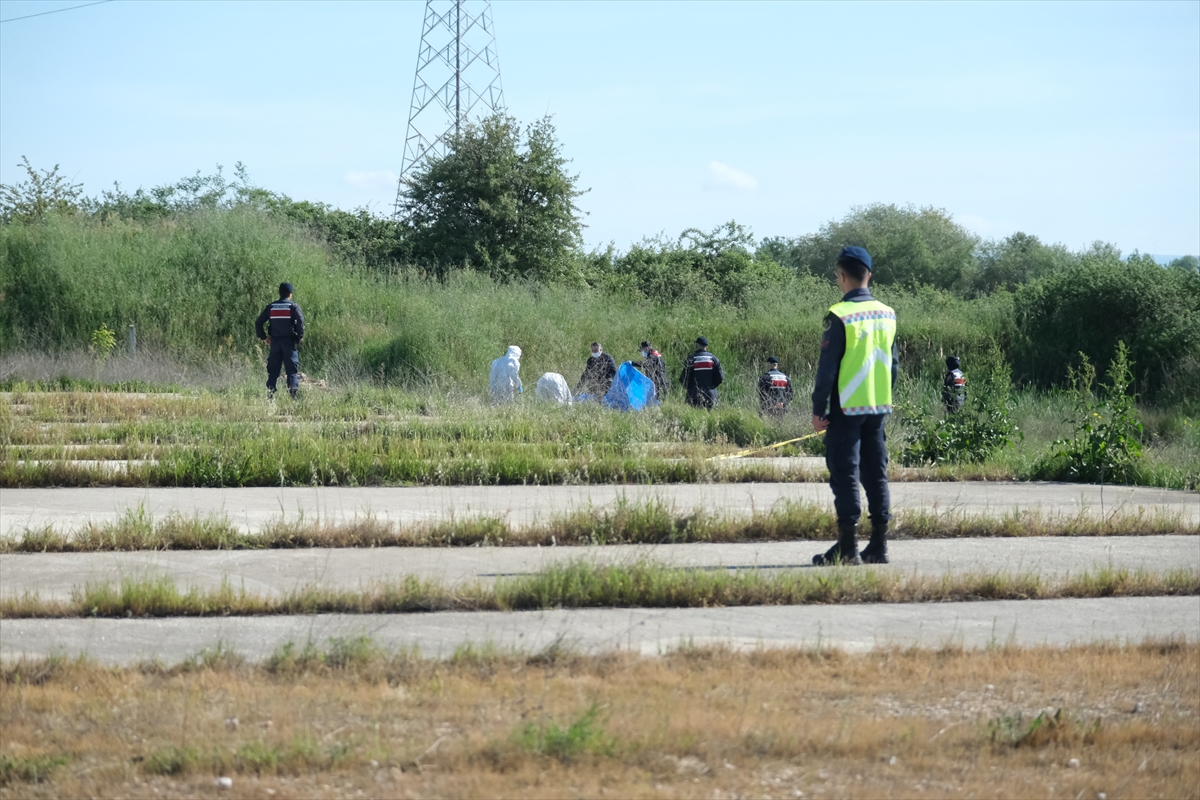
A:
[856, 448]
[702, 398]
[283, 354]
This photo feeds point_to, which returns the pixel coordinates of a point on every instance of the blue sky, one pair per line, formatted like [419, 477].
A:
[1071, 121]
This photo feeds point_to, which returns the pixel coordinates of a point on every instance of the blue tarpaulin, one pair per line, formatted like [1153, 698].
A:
[631, 390]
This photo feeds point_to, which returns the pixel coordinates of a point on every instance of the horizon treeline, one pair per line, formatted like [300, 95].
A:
[434, 295]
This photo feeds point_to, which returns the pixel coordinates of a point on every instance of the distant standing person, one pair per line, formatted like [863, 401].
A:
[954, 386]
[774, 391]
[851, 400]
[281, 326]
[702, 374]
[654, 368]
[597, 375]
[504, 381]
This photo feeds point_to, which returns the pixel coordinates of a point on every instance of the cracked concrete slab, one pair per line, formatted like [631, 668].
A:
[52, 576]
[649, 631]
[253, 508]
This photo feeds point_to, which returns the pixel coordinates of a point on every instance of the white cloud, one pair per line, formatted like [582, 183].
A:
[724, 176]
[372, 180]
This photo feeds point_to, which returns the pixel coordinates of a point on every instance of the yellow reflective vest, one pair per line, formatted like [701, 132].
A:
[865, 375]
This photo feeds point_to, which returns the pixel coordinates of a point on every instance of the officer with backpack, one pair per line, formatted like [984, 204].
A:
[851, 401]
[702, 374]
[774, 391]
[281, 326]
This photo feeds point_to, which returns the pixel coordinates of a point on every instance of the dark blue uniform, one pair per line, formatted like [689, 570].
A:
[850, 440]
[702, 374]
[284, 323]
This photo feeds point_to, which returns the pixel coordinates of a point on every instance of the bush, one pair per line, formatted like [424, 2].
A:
[1089, 307]
[1106, 443]
[981, 427]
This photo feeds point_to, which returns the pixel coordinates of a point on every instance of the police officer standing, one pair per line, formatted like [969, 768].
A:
[702, 374]
[851, 400]
[284, 324]
[954, 386]
[654, 368]
[774, 391]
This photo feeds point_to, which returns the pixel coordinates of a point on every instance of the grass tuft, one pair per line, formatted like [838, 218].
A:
[584, 584]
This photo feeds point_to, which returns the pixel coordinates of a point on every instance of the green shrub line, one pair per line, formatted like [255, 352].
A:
[582, 584]
[652, 522]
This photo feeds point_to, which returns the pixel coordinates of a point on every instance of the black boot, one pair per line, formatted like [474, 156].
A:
[876, 550]
[845, 552]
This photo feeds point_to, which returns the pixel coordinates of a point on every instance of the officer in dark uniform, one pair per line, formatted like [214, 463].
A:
[284, 328]
[702, 374]
[954, 386]
[774, 391]
[851, 400]
[597, 375]
[654, 368]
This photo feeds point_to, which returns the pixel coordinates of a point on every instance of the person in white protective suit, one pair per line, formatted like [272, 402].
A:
[553, 387]
[505, 380]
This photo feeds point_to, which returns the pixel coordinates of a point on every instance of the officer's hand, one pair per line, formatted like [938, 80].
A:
[268, 341]
[819, 424]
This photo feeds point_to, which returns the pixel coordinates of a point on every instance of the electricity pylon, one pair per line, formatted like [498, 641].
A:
[458, 72]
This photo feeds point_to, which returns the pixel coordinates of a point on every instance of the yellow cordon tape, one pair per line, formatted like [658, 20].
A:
[742, 453]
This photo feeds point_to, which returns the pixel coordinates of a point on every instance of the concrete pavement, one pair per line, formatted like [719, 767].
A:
[650, 631]
[273, 572]
[253, 508]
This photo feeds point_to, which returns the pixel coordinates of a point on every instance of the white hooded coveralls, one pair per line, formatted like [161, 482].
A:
[505, 380]
[553, 387]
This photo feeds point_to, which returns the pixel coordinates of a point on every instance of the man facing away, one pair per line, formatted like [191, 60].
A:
[281, 326]
[774, 391]
[702, 374]
[851, 400]
[654, 368]
[597, 375]
[954, 386]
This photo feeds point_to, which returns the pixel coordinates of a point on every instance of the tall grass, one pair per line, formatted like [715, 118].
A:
[193, 286]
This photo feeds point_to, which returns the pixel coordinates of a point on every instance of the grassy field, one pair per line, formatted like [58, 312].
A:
[348, 720]
[364, 434]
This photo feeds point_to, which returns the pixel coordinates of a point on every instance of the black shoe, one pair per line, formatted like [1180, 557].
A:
[845, 552]
[876, 550]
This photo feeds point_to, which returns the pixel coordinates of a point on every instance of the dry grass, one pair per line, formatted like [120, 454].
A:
[352, 722]
[582, 584]
[647, 523]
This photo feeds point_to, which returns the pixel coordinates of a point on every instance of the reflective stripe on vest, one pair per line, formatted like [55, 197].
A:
[281, 311]
[865, 374]
[702, 362]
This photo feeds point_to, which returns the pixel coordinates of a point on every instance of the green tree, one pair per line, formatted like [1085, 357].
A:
[1101, 300]
[908, 245]
[1016, 260]
[1186, 263]
[719, 265]
[46, 192]
[500, 201]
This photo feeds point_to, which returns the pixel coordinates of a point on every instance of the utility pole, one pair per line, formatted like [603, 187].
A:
[457, 77]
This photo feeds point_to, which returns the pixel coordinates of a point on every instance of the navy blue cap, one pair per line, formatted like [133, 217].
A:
[857, 253]
[285, 289]
[700, 340]
[772, 360]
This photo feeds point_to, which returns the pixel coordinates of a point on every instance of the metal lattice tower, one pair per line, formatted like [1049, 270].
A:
[458, 73]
